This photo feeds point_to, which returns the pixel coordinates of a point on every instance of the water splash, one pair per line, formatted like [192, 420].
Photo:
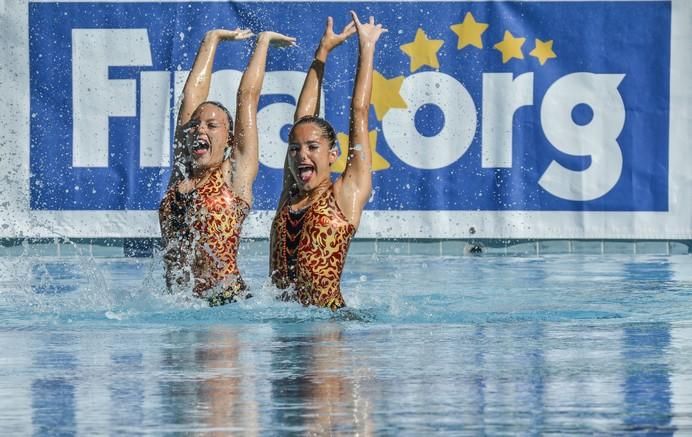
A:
[378, 288]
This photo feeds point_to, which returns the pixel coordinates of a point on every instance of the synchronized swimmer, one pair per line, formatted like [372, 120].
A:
[317, 218]
[210, 192]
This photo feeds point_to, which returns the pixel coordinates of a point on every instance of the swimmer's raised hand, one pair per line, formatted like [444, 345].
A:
[368, 33]
[330, 39]
[230, 35]
[276, 39]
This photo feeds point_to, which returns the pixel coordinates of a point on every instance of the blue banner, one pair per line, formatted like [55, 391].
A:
[477, 106]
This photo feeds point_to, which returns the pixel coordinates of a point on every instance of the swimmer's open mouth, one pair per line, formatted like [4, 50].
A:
[200, 147]
[305, 172]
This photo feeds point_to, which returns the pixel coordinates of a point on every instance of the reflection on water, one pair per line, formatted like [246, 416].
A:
[318, 385]
[473, 346]
[326, 378]
[125, 390]
[221, 394]
[647, 382]
[53, 393]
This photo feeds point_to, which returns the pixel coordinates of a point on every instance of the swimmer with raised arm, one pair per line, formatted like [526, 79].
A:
[317, 218]
[210, 190]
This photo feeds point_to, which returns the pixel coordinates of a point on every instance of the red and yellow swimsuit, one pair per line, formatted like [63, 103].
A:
[201, 235]
[309, 250]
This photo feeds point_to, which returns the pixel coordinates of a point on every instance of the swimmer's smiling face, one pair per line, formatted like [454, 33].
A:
[310, 156]
[207, 136]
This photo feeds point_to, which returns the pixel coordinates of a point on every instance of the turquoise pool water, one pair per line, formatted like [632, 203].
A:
[457, 345]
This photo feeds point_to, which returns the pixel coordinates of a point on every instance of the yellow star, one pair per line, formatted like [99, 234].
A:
[385, 94]
[422, 51]
[543, 51]
[378, 162]
[469, 32]
[510, 47]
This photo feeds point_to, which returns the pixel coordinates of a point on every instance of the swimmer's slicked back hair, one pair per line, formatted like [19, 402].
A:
[225, 110]
[326, 128]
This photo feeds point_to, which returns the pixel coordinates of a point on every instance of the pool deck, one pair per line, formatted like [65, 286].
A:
[144, 247]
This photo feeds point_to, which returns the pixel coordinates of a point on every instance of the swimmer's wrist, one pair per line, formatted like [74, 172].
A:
[321, 54]
[366, 46]
[317, 64]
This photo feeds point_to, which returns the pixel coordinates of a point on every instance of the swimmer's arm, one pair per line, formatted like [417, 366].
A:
[309, 100]
[196, 90]
[245, 156]
[355, 185]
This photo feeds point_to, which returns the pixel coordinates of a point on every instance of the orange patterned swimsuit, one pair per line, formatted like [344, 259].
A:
[309, 251]
[201, 235]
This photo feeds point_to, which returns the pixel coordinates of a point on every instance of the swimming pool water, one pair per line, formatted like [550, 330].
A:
[465, 345]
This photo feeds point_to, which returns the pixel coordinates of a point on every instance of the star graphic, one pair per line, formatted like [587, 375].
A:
[422, 51]
[543, 51]
[510, 47]
[385, 94]
[378, 162]
[469, 32]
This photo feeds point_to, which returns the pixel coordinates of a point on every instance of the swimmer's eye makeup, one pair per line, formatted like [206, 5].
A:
[312, 146]
[195, 124]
